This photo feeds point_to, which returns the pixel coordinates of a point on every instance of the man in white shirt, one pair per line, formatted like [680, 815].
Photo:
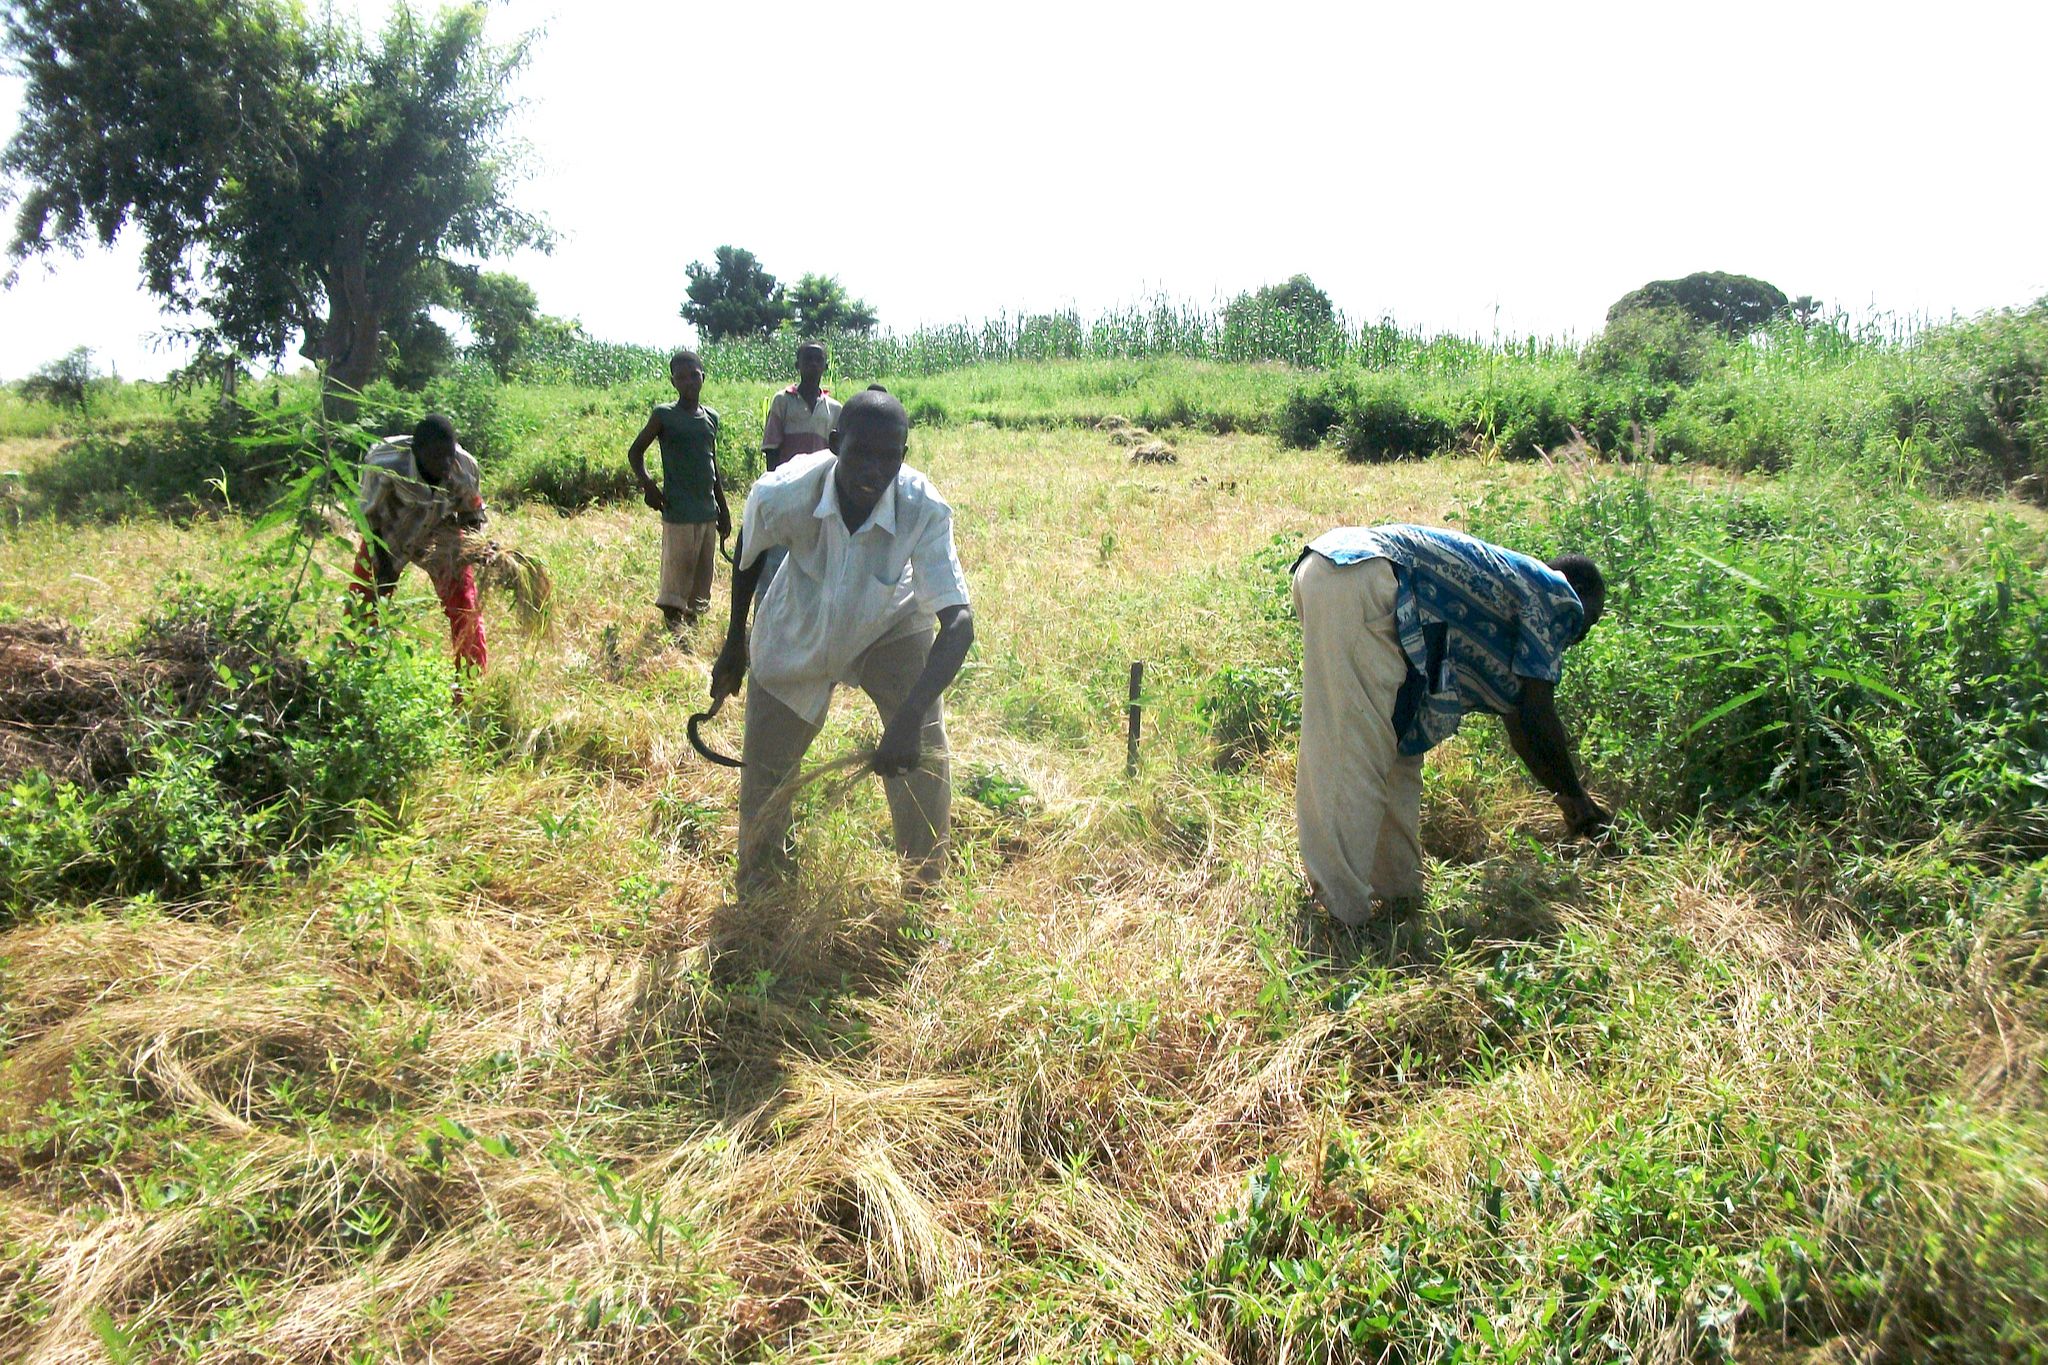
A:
[869, 568]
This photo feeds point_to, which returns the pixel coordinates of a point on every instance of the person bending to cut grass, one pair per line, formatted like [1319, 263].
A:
[417, 495]
[690, 496]
[1404, 629]
[869, 569]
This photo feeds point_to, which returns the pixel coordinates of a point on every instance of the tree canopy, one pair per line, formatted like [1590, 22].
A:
[503, 312]
[284, 173]
[1734, 304]
[733, 297]
[1299, 297]
[819, 304]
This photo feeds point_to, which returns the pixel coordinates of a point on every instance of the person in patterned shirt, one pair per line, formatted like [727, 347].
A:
[1404, 630]
[417, 495]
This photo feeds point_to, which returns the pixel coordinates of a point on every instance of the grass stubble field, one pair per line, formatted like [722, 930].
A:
[509, 1076]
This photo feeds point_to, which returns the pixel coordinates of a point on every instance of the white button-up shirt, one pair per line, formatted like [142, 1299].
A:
[839, 593]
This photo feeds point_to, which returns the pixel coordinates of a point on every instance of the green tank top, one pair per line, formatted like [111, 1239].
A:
[689, 451]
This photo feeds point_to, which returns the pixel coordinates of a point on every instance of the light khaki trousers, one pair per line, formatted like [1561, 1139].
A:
[920, 804]
[689, 561]
[1357, 799]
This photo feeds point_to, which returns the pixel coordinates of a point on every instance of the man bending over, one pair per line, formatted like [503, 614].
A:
[869, 568]
[1405, 629]
[418, 494]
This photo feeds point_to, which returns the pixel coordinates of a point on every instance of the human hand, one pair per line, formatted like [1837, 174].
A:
[650, 493]
[724, 523]
[900, 749]
[729, 670]
[1583, 816]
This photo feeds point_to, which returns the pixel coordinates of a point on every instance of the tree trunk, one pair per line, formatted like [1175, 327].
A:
[348, 346]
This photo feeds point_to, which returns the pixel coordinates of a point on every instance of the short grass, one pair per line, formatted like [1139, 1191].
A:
[478, 1088]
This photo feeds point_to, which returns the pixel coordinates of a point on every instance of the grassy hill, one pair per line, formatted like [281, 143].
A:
[503, 1073]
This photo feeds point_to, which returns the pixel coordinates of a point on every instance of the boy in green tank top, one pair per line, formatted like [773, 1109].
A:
[690, 496]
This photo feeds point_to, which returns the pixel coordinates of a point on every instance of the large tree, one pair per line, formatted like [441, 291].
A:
[1733, 304]
[733, 296]
[819, 304]
[503, 312]
[283, 173]
[1299, 297]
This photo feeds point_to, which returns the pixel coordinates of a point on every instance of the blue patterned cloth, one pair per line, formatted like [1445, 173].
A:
[1474, 620]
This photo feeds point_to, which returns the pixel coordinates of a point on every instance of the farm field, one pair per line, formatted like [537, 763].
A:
[503, 1073]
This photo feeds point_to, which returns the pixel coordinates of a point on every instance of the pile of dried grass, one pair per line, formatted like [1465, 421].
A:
[62, 711]
[521, 575]
[75, 714]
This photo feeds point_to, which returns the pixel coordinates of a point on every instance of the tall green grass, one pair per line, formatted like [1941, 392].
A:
[1807, 649]
[1959, 408]
[1161, 328]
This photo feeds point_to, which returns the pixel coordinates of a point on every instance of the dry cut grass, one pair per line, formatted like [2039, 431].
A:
[517, 1079]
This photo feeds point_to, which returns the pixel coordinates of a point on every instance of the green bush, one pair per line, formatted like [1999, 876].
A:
[263, 748]
[1396, 417]
[1810, 649]
[1522, 410]
[203, 456]
[1659, 345]
[470, 395]
[2003, 359]
[569, 477]
[1315, 409]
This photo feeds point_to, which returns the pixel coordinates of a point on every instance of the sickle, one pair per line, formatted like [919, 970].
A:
[697, 740]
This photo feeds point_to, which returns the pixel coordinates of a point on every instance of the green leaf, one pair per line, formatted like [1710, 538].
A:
[1733, 704]
[1863, 680]
[1737, 574]
[1749, 1294]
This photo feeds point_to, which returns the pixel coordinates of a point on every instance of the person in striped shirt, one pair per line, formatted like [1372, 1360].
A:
[800, 418]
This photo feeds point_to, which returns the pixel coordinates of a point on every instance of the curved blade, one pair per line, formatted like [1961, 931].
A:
[697, 741]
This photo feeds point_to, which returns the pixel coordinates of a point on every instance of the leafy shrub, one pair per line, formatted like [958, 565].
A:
[265, 747]
[203, 456]
[2003, 357]
[1807, 649]
[470, 395]
[567, 477]
[1522, 410]
[1315, 409]
[1395, 419]
[1661, 346]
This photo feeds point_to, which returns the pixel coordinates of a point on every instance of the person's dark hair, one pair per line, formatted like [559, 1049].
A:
[817, 346]
[683, 357]
[1586, 580]
[436, 431]
[873, 404]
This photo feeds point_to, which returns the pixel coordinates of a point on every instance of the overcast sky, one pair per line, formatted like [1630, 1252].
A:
[1456, 166]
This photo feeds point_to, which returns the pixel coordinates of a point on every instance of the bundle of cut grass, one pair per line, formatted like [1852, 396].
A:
[520, 574]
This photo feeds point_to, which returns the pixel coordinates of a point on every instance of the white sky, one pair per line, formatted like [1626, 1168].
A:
[1458, 166]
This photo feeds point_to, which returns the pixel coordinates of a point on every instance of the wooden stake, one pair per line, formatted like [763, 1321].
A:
[1133, 715]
